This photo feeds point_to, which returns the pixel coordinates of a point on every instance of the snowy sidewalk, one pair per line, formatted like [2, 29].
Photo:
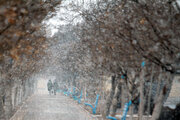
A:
[45, 107]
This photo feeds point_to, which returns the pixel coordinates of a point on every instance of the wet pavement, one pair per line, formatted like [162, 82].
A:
[46, 107]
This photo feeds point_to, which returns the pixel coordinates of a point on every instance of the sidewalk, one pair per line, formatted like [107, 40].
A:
[46, 107]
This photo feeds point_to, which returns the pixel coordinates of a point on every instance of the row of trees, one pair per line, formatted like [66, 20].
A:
[22, 45]
[136, 43]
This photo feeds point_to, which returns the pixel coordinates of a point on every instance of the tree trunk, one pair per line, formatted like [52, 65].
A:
[141, 105]
[158, 106]
[116, 99]
[161, 96]
[150, 92]
[8, 103]
[109, 99]
[2, 117]
[16, 95]
[2, 97]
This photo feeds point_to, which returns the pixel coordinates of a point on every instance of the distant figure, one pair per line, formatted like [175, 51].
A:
[50, 86]
[55, 87]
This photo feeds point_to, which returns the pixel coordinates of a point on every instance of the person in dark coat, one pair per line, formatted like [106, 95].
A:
[49, 86]
[55, 87]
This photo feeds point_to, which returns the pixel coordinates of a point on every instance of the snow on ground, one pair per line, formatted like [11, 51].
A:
[46, 107]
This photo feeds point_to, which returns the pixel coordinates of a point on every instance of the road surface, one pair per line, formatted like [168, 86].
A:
[46, 107]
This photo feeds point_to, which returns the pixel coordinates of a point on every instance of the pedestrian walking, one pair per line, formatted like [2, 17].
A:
[55, 87]
[49, 86]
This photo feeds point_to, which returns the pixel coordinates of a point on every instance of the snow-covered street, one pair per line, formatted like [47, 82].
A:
[46, 107]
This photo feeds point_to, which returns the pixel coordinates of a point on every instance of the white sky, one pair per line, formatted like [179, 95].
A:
[64, 15]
